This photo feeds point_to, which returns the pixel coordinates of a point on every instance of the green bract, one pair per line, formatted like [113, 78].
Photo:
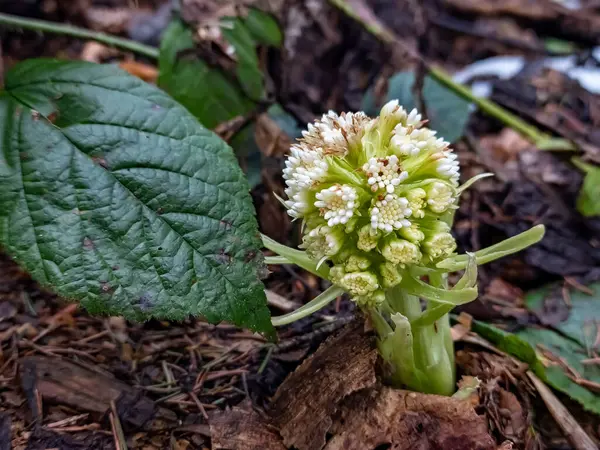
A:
[380, 191]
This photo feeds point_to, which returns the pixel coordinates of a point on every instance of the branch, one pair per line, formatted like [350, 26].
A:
[79, 33]
[371, 23]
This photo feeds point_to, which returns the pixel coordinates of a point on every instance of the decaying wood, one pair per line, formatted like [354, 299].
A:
[242, 428]
[406, 420]
[305, 402]
[335, 393]
[56, 380]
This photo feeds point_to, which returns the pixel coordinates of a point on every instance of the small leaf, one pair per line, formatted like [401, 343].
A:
[247, 69]
[205, 91]
[263, 27]
[113, 194]
[447, 112]
[588, 202]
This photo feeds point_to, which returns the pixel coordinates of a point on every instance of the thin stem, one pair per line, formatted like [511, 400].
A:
[76, 32]
[371, 23]
[277, 260]
[296, 257]
[314, 305]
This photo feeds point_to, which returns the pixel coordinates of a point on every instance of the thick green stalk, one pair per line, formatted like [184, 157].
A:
[76, 32]
[422, 357]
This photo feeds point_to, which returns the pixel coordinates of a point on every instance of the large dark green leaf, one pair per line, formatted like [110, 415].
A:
[447, 112]
[112, 193]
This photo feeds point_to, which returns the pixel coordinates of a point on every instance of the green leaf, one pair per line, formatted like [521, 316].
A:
[447, 112]
[247, 68]
[523, 346]
[113, 194]
[582, 315]
[588, 202]
[205, 91]
[556, 376]
[263, 27]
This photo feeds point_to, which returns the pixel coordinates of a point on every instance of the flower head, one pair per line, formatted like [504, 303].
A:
[372, 193]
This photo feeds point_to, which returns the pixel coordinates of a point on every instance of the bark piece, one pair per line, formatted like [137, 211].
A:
[304, 403]
[242, 428]
[383, 417]
[67, 383]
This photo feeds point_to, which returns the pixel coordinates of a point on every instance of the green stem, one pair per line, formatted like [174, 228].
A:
[277, 260]
[76, 32]
[297, 257]
[369, 21]
[422, 356]
[314, 305]
[542, 140]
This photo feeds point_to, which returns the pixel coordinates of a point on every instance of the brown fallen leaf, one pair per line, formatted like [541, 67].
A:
[242, 428]
[304, 403]
[270, 138]
[402, 420]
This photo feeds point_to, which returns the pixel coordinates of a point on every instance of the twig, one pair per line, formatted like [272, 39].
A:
[371, 23]
[199, 404]
[571, 429]
[115, 423]
[68, 421]
[76, 32]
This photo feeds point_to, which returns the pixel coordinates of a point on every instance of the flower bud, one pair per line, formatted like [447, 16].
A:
[359, 283]
[440, 196]
[400, 251]
[439, 245]
[412, 233]
[367, 238]
[337, 204]
[322, 242]
[357, 263]
[371, 300]
[416, 202]
[390, 275]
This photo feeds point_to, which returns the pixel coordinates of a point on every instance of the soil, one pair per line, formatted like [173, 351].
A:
[72, 381]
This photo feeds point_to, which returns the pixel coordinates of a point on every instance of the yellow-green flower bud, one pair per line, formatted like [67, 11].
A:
[417, 202]
[440, 196]
[322, 242]
[367, 238]
[371, 300]
[390, 275]
[336, 273]
[439, 245]
[359, 283]
[400, 251]
[357, 263]
[412, 233]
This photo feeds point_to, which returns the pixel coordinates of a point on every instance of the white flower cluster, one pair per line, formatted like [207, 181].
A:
[375, 195]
